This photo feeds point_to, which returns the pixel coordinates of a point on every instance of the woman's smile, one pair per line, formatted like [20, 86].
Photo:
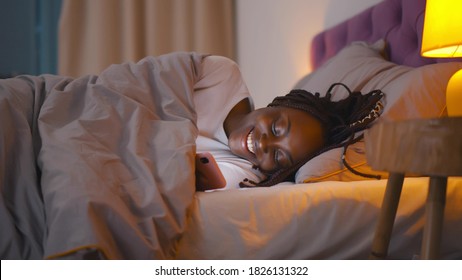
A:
[250, 142]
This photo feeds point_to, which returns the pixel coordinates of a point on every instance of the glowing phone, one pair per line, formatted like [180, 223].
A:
[208, 174]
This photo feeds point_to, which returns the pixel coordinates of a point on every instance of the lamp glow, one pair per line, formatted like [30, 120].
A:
[442, 37]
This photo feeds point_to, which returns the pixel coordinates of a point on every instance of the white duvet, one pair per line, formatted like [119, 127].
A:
[99, 166]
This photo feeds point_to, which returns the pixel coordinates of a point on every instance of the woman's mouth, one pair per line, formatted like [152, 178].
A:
[250, 142]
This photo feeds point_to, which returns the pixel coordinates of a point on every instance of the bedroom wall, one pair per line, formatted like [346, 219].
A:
[273, 39]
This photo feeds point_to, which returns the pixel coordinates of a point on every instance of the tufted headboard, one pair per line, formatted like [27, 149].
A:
[399, 22]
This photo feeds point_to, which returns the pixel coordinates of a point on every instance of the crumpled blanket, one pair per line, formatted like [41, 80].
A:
[98, 166]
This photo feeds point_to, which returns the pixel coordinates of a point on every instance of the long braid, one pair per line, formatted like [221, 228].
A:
[341, 120]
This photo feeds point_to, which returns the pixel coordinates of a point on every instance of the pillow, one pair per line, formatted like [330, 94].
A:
[409, 93]
[354, 65]
[328, 166]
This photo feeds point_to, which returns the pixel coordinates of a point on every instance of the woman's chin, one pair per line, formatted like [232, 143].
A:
[241, 152]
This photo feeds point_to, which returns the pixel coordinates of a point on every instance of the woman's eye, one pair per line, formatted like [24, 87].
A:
[279, 158]
[276, 129]
[277, 155]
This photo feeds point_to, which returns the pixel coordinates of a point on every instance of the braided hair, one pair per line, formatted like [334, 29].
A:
[341, 120]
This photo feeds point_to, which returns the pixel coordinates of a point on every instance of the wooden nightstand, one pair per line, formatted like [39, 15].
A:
[429, 147]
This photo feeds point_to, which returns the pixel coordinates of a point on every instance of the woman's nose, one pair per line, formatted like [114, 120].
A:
[267, 142]
[263, 143]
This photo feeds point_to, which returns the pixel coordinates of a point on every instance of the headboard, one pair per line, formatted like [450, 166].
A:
[399, 22]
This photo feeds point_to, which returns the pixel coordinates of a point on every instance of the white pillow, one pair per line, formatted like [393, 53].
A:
[409, 93]
[354, 66]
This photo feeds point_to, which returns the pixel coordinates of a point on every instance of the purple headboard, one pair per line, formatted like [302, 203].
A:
[399, 22]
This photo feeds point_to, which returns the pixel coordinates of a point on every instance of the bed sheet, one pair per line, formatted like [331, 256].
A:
[327, 220]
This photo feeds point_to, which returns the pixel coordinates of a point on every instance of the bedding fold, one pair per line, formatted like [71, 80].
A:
[103, 163]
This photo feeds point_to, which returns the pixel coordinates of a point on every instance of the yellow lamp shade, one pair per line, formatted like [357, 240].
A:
[442, 33]
[442, 37]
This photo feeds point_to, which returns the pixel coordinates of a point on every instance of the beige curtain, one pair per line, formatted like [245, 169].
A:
[95, 34]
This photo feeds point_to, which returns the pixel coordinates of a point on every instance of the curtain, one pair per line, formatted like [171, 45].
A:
[96, 34]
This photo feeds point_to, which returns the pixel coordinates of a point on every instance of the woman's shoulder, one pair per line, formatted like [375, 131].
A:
[220, 62]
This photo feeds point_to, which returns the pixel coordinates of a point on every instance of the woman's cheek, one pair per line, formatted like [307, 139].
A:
[266, 164]
[235, 145]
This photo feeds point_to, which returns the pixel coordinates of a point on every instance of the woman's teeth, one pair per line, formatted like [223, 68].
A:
[250, 146]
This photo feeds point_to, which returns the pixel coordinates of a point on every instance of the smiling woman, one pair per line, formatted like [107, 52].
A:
[294, 128]
[273, 138]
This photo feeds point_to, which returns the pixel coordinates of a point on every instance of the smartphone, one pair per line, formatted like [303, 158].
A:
[208, 174]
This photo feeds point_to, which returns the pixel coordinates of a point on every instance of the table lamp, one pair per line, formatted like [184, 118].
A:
[442, 37]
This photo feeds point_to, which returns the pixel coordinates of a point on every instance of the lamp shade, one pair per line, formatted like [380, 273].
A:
[442, 33]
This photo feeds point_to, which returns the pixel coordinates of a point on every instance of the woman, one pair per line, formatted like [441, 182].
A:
[104, 164]
[279, 139]
[275, 141]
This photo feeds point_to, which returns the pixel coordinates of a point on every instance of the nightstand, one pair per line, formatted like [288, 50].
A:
[427, 147]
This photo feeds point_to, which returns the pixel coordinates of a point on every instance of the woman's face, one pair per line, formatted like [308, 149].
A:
[276, 137]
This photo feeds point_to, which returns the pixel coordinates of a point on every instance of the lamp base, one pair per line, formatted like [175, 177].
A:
[454, 95]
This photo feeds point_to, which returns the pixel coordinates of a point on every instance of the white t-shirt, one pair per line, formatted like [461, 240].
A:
[217, 91]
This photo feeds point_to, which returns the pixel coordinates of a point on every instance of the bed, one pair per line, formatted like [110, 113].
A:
[79, 180]
[329, 212]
